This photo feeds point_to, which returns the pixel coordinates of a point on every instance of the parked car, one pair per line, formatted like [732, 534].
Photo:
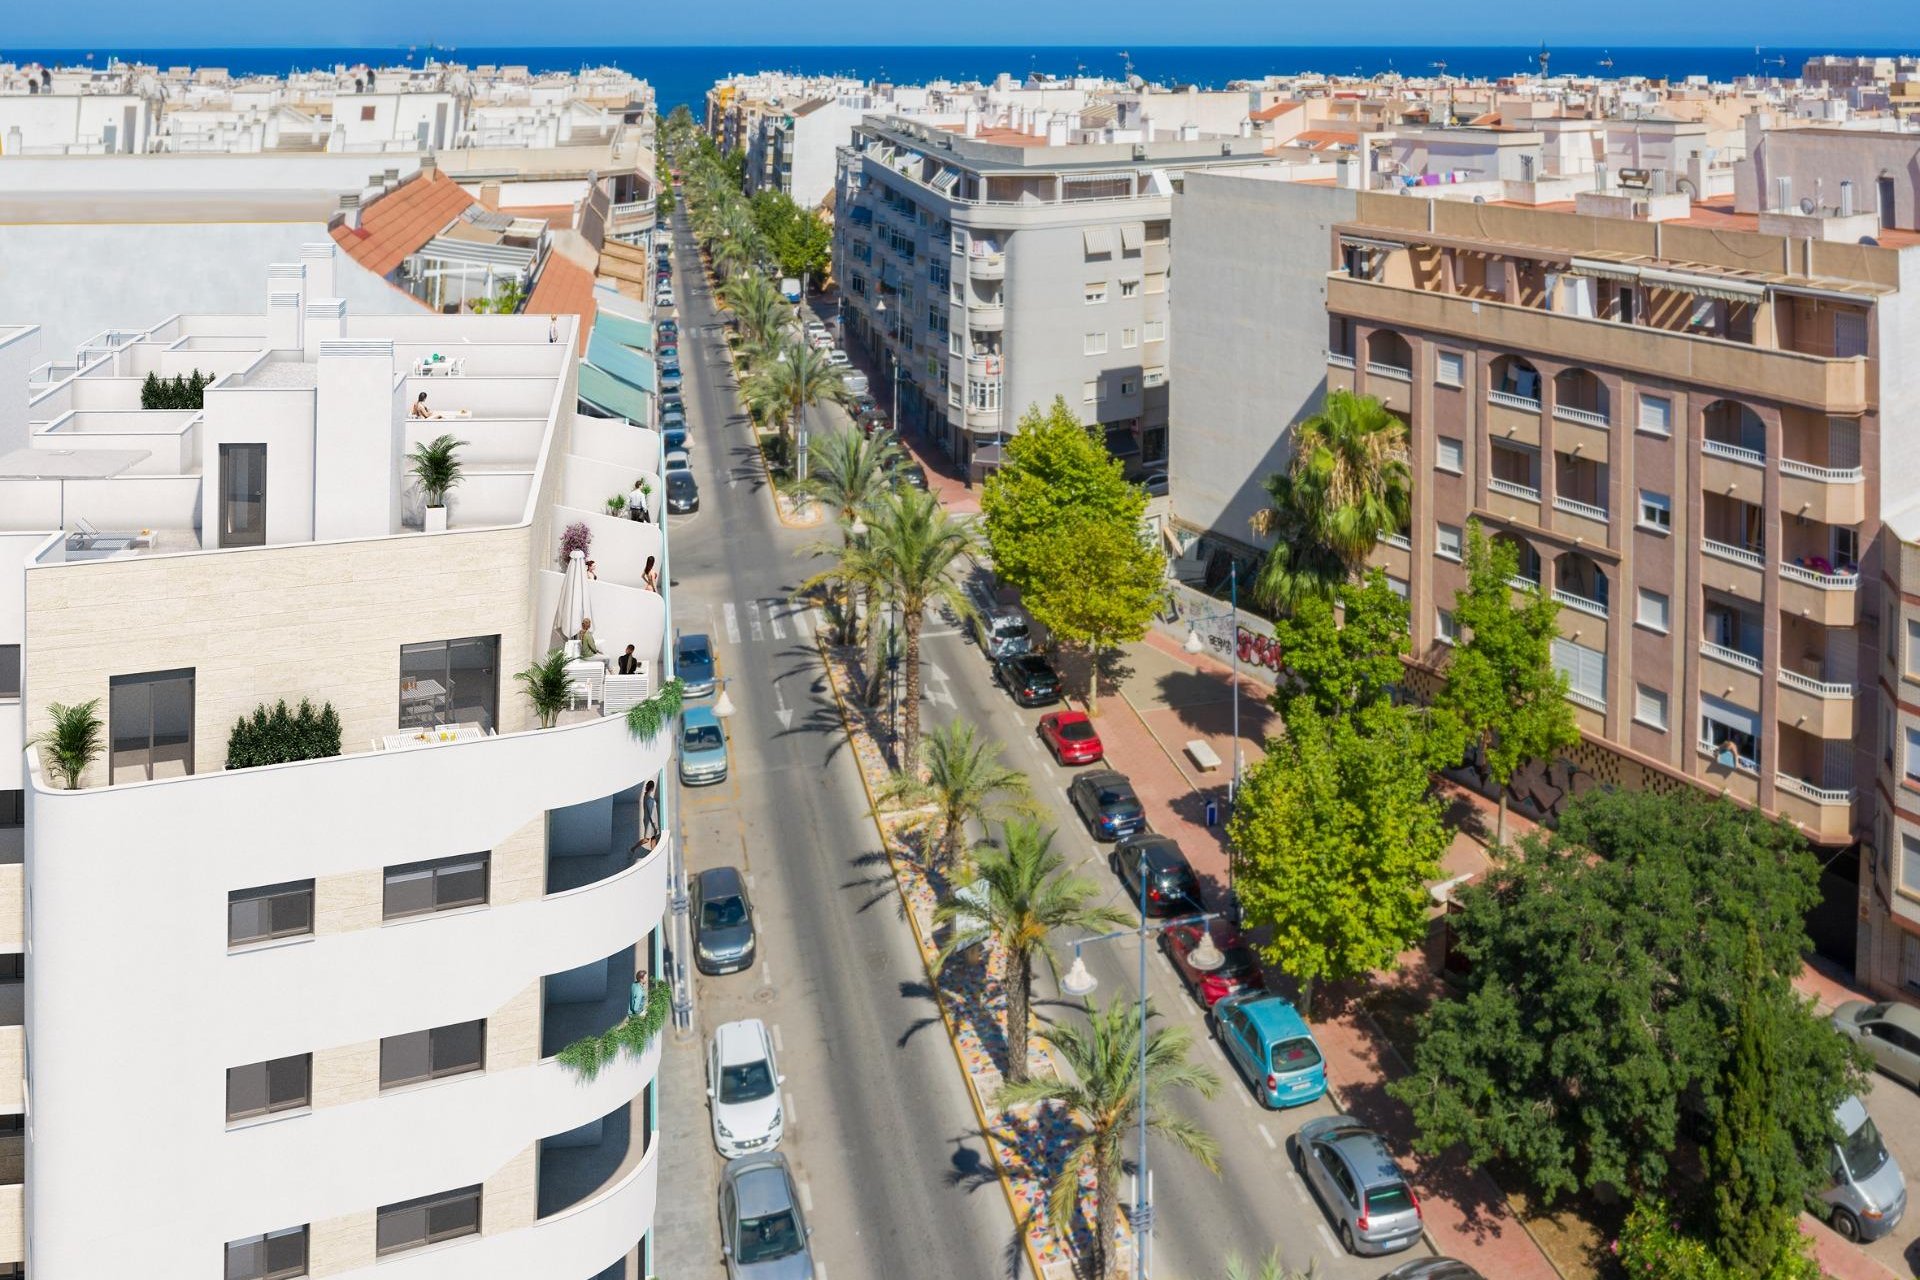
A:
[1002, 633]
[910, 475]
[723, 936]
[673, 420]
[1071, 737]
[1373, 1209]
[693, 664]
[838, 358]
[1239, 971]
[820, 341]
[674, 439]
[663, 298]
[1029, 678]
[677, 460]
[815, 329]
[762, 1230]
[1433, 1269]
[672, 404]
[1172, 888]
[1869, 1192]
[683, 492]
[703, 748]
[743, 1089]
[670, 381]
[669, 354]
[1155, 483]
[856, 381]
[1107, 804]
[669, 330]
[1271, 1045]
[1891, 1033]
[670, 368]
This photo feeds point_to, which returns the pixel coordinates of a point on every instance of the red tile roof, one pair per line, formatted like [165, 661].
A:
[1273, 112]
[401, 221]
[564, 288]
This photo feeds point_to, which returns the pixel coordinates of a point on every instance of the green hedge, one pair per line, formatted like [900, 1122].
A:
[177, 392]
[587, 1055]
[280, 735]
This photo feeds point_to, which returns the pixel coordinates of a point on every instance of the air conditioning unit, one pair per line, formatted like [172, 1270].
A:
[1636, 177]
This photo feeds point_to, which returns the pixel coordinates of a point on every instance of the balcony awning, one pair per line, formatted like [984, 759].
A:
[1098, 239]
[1376, 246]
[1604, 270]
[1735, 718]
[1133, 235]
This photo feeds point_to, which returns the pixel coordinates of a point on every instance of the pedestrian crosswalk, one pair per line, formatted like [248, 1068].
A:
[775, 620]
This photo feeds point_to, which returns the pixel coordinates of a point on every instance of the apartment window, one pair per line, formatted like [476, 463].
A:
[443, 884]
[1654, 611]
[1094, 344]
[1096, 293]
[1129, 386]
[366, 113]
[1729, 731]
[1155, 331]
[10, 668]
[1450, 368]
[1656, 511]
[1129, 288]
[1913, 757]
[427, 1220]
[1156, 282]
[1156, 377]
[1158, 232]
[262, 1088]
[1586, 670]
[1449, 454]
[1445, 629]
[13, 808]
[1910, 864]
[1447, 544]
[1399, 587]
[150, 721]
[1090, 390]
[452, 1050]
[450, 682]
[1129, 338]
[1892, 633]
[273, 1256]
[1909, 972]
[1656, 415]
[1650, 707]
[270, 911]
[1913, 648]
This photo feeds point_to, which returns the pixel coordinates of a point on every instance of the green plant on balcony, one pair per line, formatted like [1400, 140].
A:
[645, 719]
[616, 504]
[586, 1056]
[435, 466]
[547, 687]
[72, 742]
[279, 736]
[177, 392]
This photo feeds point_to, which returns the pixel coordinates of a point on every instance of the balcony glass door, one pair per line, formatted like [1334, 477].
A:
[150, 722]
[243, 495]
[450, 682]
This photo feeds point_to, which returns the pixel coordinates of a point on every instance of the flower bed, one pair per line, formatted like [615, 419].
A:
[1028, 1144]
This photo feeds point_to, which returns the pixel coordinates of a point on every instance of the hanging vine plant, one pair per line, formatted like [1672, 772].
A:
[586, 1056]
[645, 719]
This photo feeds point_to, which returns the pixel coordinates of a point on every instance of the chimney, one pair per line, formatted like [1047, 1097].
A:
[358, 439]
[350, 210]
[428, 165]
[390, 176]
[973, 122]
[326, 322]
[1056, 129]
[286, 305]
[1783, 185]
[1846, 197]
[1246, 128]
[317, 258]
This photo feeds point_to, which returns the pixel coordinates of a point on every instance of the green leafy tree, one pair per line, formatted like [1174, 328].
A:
[1606, 961]
[1336, 834]
[964, 782]
[1348, 484]
[1053, 471]
[1098, 584]
[1101, 1086]
[1022, 896]
[803, 246]
[796, 379]
[919, 552]
[1502, 693]
[1345, 663]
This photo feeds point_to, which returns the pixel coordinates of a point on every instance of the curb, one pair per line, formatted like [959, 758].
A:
[940, 999]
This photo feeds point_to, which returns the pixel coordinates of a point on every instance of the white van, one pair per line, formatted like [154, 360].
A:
[1869, 1193]
[856, 382]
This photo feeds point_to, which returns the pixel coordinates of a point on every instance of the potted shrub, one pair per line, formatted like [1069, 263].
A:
[617, 504]
[436, 468]
[73, 741]
[575, 537]
[546, 683]
[280, 735]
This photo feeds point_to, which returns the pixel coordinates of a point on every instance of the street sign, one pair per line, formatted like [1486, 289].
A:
[1213, 813]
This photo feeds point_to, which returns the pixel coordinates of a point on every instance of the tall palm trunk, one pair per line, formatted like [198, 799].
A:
[1019, 997]
[1106, 1202]
[910, 657]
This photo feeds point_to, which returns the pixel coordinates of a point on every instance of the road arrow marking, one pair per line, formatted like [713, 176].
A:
[780, 707]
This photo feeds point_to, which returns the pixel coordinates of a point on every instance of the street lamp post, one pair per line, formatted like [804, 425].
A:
[1079, 982]
[1194, 644]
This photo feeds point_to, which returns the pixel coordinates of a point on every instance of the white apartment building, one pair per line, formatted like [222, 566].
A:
[371, 959]
[996, 262]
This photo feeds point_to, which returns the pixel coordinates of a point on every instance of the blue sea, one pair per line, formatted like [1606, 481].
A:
[682, 74]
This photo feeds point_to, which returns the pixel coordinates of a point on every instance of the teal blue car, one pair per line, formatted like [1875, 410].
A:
[1272, 1046]
[703, 748]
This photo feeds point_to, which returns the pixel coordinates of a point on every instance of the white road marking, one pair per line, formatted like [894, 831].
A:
[733, 625]
[819, 620]
[766, 976]
[773, 620]
[1299, 1188]
[1034, 744]
[1245, 1099]
[787, 1098]
[749, 880]
[1324, 1233]
[753, 621]
[1218, 1051]
[778, 1047]
[1271, 1144]
[806, 1203]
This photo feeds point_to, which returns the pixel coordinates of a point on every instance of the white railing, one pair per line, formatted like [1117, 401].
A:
[1394, 371]
[1585, 604]
[1399, 540]
[1519, 583]
[1745, 764]
[1819, 795]
[1339, 361]
[1512, 490]
[1818, 688]
[1815, 578]
[630, 209]
[1585, 417]
[1587, 700]
[1826, 475]
[1732, 657]
[1513, 401]
[1727, 551]
[1574, 507]
[1733, 452]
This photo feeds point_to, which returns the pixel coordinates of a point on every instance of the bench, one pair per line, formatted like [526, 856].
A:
[1203, 755]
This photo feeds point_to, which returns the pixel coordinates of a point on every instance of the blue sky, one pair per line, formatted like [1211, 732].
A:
[474, 23]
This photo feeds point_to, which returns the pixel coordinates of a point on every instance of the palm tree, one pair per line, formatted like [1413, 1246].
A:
[1020, 899]
[436, 467]
[1102, 1087]
[851, 472]
[547, 687]
[72, 741]
[1347, 486]
[796, 378]
[964, 781]
[919, 552]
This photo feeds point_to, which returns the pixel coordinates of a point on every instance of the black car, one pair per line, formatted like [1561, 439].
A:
[683, 494]
[672, 404]
[1172, 888]
[910, 475]
[723, 940]
[1107, 804]
[1030, 678]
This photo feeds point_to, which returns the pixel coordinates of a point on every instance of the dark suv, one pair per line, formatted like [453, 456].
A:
[1172, 888]
[1030, 678]
[1107, 804]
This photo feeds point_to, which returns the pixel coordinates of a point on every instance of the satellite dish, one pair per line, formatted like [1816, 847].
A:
[1479, 199]
[1807, 205]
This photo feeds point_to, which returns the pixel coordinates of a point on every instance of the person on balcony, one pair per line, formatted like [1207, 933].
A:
[588, 649]
[629, 665]
[651, 577]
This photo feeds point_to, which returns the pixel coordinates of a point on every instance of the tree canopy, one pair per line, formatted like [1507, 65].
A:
[1345, 663]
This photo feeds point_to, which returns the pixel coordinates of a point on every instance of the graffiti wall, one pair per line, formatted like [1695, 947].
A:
[1188, 609]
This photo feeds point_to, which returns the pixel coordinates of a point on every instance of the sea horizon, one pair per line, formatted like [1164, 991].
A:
[681, 73]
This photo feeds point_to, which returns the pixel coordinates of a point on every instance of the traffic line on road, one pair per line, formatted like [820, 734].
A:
[773, 620]
[806, 1202]
[753, 621]
[1271, 1144]
[733, 625]
[1299, 1189]
[766, 976]
[819, 620]
[1245, 1101]
[1324, 1233]
[778, 1047]
[787, 1098]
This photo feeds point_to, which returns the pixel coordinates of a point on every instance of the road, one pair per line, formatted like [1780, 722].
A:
[880, 1132]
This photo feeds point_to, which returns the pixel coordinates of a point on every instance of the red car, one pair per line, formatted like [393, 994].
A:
[1071, 737]
[1241, 972]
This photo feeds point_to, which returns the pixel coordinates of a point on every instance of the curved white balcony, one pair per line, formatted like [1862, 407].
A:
[987, 317]
[987, 266]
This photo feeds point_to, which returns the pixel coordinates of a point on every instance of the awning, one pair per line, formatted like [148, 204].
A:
[1098, 239]
[1133, 235]
[1724, 288]
[1725, 713]
[1603, 270]
[1377, 246]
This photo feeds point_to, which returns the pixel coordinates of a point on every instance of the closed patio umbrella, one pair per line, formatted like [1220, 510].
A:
[574, 606]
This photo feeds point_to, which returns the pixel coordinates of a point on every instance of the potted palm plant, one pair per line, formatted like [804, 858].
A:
[616, 504]
[72, 742]
[546, 683]
[436, 468]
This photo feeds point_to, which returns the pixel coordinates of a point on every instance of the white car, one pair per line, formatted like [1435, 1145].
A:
[743, 1089]
[664, 298]
[820, 341]
[677, 460]
[838, 358]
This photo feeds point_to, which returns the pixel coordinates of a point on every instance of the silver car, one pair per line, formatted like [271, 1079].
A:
[1433, 1269]
[1373, 1209]
[1869, 1193]
[1889, 1031]
[763, 1234]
